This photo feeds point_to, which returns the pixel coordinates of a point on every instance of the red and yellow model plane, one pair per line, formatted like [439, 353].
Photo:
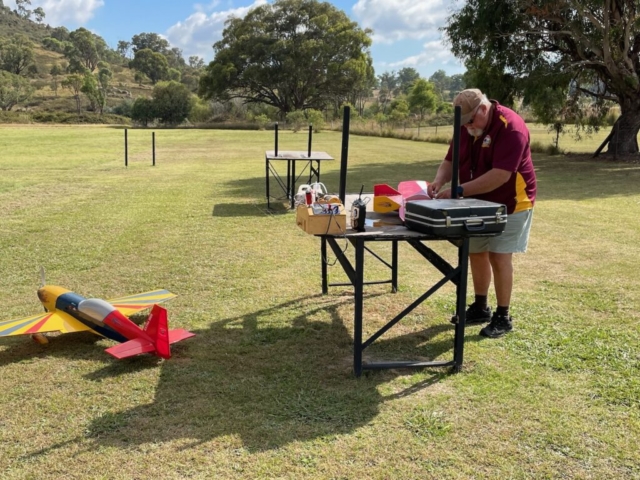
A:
[387, 199]
[66, 312]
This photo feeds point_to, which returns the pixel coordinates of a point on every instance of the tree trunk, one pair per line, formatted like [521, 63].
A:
[624, 135]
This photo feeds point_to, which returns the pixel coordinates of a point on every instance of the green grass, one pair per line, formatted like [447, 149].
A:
[265, 389]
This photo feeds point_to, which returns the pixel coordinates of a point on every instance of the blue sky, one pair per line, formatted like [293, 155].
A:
[405, 31]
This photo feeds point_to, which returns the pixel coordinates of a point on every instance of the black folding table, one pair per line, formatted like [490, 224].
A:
[385, 231]
[288, 183]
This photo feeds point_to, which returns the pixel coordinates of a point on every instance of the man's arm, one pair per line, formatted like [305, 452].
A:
[443, 176]
[483, 184]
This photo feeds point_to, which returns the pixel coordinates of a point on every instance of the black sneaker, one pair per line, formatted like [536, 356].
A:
[499, 326]
[476, 315]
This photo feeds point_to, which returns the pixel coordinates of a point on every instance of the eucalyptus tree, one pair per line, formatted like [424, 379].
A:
[291, 54]
[521, 47]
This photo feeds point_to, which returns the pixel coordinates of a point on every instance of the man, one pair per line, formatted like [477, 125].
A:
[495, 165]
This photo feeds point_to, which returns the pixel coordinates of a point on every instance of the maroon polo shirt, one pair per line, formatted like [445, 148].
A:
[504, 145]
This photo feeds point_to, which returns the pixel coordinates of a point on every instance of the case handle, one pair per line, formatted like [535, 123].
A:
[474, 225]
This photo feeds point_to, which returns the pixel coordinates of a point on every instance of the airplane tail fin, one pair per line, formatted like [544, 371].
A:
[158, 338]
[386, 198]
[158, 329]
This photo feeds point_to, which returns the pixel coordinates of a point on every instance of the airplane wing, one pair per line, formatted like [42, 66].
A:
[42, 323]
[131, 348]
[135, 303]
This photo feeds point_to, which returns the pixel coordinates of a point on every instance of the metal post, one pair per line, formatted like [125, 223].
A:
[275, 129]
[323, 259]
[153, 147]
[461, 304]
[345, 153]
[310, 136]
[358, 307]
[456, 152]
[126, 148]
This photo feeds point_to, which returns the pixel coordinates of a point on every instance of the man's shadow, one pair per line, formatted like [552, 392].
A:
[266, 384]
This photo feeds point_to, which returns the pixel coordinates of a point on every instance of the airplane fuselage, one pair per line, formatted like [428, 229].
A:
[83, 309]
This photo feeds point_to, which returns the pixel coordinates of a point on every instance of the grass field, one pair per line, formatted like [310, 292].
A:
[265, 389]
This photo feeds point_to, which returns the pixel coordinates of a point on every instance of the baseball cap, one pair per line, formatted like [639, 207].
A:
[468, 100]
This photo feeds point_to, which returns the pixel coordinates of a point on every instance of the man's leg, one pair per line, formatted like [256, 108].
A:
[502, 266]
[480, 272]
[479, 311]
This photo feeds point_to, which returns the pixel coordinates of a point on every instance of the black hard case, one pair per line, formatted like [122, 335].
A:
[464, 217]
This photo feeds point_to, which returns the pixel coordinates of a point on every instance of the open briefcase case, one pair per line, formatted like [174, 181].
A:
[465, 217]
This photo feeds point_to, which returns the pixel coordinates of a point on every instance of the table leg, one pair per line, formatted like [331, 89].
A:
[357, 309]
[323, 259]
[293, 183]
[394, 266]
[461, 305]
[266, 161]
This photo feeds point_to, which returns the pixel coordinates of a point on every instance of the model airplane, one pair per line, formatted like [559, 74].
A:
[387, 199]
[66, 312]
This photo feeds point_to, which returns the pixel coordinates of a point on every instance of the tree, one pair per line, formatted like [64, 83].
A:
[90, 89]
[14, 89]
[39, 14]
[74, 83]
[21, 8]
[422, 97]
[596, 43]
[84, 48]
[456, 85]
[399, 110]
[143, 111]
[123, 48]
[388, 84]
[55, 72]
[16, 55]
[174, 58]
[96, 88]
[292, 54]
[53, 44]
[406, 78]
[440, 81]
[151, 41]
[196, 62]
[172, 102]
[153, 64]
[60, 33]
[174, 74]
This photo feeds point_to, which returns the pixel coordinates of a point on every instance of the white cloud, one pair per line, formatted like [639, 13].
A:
[393, 20]
[64, 12]
[434, 52]
[197, 34]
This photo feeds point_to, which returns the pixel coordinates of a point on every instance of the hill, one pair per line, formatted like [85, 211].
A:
[50, 101]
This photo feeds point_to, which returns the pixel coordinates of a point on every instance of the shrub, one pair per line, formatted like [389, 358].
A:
[297, 119]
[316, 119]
[124, 108]
[262, 120]
[548, 149]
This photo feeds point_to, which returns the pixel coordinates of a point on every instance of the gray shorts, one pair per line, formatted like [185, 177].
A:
[514, 239]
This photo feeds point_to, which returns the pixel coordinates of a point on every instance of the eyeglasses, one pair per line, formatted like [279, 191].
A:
[473, 118]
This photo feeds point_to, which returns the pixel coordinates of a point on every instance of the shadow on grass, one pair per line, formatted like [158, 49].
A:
[247, 209]
[270, 385]
[571, 177]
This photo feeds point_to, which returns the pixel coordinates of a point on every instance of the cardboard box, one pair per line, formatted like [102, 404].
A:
[321, 223]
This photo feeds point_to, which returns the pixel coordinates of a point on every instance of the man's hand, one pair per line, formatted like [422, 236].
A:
[433, 189]
[444, 194]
